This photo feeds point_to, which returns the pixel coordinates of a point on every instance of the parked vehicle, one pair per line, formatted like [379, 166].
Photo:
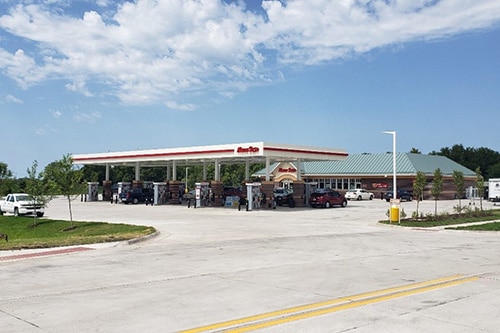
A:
[189, 195]
[401, 194]
[137, 195]
[494, 189]
[21, 204]
[358, 194]
[327, 199]
[283, 196]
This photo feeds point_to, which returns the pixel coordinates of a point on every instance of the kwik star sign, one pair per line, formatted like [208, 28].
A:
[248, 150]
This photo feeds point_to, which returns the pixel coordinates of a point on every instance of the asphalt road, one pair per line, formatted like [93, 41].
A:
[283, 270]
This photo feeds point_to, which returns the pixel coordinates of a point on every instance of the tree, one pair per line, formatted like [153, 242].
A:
[415, 151]
[472, 158]
[5, 174]
[67, 179]
[494, 171]
[39, 188]
[4, 171]
[480, 186]
[418, 187]
[7, 183]
[437, 187]
[459, 184]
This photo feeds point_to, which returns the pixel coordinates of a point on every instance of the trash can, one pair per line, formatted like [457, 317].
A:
[394, 211]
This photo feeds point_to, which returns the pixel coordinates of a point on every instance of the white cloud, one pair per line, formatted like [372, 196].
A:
[42, 131]
[12, 99]
[56, 114]
[183, 107]
[150, 52]
[78, 86]
[91, 117]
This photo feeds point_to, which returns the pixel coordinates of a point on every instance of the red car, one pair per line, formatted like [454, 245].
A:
[327, 199]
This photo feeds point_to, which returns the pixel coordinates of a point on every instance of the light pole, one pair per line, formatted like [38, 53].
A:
[394, 183]
[186, 187]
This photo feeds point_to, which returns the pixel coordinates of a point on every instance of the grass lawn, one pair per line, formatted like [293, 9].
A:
[23, 234]
[490, 215]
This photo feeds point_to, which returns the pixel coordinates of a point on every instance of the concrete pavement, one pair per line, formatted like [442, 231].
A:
[297, 270]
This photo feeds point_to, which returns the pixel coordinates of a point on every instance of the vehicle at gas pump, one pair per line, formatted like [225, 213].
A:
[137, 195]
[283, 196]
[189, 195]
[327, 199]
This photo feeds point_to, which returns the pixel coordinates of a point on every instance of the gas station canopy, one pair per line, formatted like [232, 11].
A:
[250, 152]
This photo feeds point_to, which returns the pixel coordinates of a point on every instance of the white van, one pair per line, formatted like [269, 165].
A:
[494, 190]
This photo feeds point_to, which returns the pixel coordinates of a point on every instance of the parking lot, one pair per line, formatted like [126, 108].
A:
[283, 270]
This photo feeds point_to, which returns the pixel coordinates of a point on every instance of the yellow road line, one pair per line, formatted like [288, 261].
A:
[316, 309]
[346, 306]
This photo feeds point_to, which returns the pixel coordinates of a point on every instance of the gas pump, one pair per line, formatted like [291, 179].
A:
[202, 192]
[93, 194]
[253, 190]
[160, 193]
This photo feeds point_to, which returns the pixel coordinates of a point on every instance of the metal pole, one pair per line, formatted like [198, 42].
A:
[394, 182]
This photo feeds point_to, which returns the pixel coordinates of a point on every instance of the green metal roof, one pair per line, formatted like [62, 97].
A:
[381, 164]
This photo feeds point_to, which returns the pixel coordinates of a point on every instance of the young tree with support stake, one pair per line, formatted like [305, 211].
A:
[459, 184]
[437, 187]
[39, 188]
[418, 187]
[480, 186]
[67, 178]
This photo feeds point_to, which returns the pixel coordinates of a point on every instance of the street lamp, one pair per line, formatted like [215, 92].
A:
[394, 188]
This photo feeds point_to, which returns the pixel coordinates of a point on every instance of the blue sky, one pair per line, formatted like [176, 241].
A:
[96, 76]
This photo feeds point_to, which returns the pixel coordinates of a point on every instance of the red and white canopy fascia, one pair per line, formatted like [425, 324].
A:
[252, 152]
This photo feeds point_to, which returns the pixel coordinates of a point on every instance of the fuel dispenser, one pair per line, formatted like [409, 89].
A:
[93, 194]
[253, 192]
[202, 194]
[160, 193]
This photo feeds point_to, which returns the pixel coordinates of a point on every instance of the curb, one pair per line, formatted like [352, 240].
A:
[143, 238]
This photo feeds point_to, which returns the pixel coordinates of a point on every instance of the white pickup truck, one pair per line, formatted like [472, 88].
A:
[20, 204]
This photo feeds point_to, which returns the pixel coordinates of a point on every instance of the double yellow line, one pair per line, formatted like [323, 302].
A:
[317, 309]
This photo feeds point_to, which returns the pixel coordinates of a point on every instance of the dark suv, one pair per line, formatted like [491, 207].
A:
[403, 195]
[327, 199]
[136, 195]
[283, 196]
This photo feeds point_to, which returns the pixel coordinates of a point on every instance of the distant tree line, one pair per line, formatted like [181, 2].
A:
[487, 160]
